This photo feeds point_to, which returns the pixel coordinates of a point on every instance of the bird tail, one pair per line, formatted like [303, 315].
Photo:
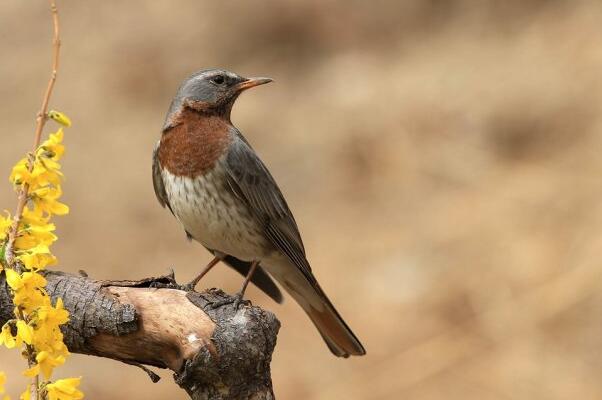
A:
[341, 341]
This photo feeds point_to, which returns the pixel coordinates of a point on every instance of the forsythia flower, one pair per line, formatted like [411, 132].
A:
[6, 337]
[46, 169]
[34, 217]
[35, 235]
[38, 259]
[5, 223]
[24, 331]
[53, 149]
[64, 389]
[45, 363]
[59, 117]
[20, 173]
[26, 282]
[53, 316]
[2, 382]
[45, 200]
[45, 173]
[48, 337]
[24, 334]
[37, 323]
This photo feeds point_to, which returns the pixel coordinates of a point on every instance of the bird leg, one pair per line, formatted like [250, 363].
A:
[190, 286]
[248, 278]
[237, 299]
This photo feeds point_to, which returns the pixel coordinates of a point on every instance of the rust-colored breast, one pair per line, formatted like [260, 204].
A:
[195, 142]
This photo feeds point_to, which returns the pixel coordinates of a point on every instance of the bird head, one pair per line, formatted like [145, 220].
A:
[211, 91]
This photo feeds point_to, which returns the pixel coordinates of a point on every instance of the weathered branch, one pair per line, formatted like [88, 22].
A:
[221, 353]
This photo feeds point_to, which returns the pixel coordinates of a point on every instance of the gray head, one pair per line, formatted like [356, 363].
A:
[211, 90]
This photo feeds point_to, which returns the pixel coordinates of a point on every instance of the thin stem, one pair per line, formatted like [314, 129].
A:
[40, 122]
[35, 387]
[56, 42]
[30, 360]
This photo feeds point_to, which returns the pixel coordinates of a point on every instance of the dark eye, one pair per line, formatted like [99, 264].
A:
[219, 79]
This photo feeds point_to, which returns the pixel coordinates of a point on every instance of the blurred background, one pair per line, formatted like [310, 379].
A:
[442, 157]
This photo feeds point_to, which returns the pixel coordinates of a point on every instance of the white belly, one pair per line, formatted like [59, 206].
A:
[214, 216]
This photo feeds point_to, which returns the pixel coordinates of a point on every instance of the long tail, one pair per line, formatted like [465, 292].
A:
[310, 296]
[335, 332]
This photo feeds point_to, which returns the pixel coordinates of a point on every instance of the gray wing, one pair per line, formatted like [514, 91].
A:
[158, 180]
[251, 181]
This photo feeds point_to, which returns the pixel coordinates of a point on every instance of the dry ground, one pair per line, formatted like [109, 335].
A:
[443, 160]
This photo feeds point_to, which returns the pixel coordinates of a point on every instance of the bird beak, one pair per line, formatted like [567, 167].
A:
[252, 82]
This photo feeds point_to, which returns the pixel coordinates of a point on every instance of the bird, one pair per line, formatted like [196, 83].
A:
[214, 183]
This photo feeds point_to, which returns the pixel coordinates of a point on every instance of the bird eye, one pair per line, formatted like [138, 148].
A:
[218, 79]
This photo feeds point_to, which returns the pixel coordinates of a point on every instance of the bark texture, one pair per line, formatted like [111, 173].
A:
[219, 352]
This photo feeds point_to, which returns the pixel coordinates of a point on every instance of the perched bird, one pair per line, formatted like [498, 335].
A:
[208, 175]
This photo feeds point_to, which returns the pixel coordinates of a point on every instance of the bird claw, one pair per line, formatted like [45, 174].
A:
[237, 300]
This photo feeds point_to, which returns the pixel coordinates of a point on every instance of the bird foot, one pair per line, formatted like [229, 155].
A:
[237, 300]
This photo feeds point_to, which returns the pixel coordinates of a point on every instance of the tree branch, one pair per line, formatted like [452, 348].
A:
[221, 353]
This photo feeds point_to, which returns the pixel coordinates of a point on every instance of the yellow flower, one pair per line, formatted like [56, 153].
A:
[20, 173]
[7, 337]
[38, 321]
[45, 200]
[54, 316]
[24, 331]
[49, 164]
[5, 224]
[59, 117]
[34, 217]
[47, 363]
[28, 288]
[29, 301]
[26, 395]
[52, 148]
[31, 372]
[35, 235]
[37, 259]
[55, 138]
[64, 389]
[13, 279]
[48, 336]
[2, 381]
[27, 281]
[44, 173]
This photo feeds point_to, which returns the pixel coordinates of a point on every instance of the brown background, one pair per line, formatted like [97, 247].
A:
[443, 160]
